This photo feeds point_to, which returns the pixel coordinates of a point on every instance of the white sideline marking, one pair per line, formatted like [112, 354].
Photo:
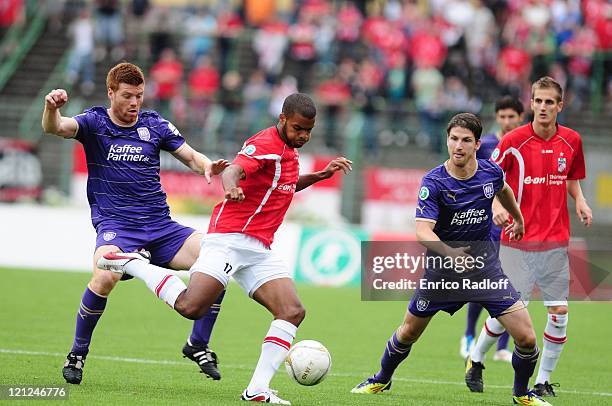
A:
[249, 367]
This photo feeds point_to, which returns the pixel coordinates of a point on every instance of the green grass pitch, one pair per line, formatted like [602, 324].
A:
[135, 356]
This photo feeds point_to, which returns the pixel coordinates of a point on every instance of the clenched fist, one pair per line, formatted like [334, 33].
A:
[55, 99]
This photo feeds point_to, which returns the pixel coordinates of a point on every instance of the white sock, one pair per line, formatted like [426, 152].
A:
[161, 281]
[273, 352]
[488, 336]
[554, 340]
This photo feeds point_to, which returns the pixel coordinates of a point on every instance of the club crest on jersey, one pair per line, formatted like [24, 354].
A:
[249, 150]
[424, 193]
[488, 190]
[109, 235]
[561, 163]
[495, 154]
[143, 133]
[422, 304]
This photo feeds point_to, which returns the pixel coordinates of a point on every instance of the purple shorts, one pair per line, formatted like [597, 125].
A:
[494, 307]
[163, 239]
[426, 303]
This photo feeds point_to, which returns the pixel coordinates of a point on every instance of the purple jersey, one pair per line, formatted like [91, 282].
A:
[460, 208]
[488, 143]
[463, 216]
[123, 165]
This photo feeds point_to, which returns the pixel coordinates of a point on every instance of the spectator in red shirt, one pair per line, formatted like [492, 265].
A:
[302, 51]
[375, 32]
[349, 21]
[167, 75]
[427, 49]
[203, 86]
[513, 68]
[333, 94]
[10, 12]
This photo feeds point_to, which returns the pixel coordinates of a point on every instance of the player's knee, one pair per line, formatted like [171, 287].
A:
[526, 339]
[188, 308]
[103, 283]
[406, 334]
[294, 314]
[189, 311]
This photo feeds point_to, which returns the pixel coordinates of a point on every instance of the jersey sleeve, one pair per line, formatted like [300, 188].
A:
[428, 207]
[171, 138]
[577, 171]
[254, 155]
[86, 122]
[500, 178]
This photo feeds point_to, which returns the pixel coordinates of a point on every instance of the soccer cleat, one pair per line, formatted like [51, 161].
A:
[545, 389]
[473, 375]
[530, 399]
[371, 386]
[204, 357]
[466, 345]
[502, 355]
[116, 261]
[266, 396]
[73, 368]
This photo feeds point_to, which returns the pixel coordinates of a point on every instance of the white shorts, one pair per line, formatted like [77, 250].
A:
[242, 257]
[549, 270]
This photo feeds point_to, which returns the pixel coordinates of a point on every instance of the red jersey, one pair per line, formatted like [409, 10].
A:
[536, 170]
[272, 171]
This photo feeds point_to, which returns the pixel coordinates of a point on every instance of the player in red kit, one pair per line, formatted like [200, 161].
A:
[543, 162]
[259, 186]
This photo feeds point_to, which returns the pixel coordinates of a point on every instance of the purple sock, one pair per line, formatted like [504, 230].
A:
[202, 328]
[502, 343]
[473, 313]
[524, 364]
[90, 311]
[394, 354]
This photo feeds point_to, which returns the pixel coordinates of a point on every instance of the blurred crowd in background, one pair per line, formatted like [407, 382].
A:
[432, 57]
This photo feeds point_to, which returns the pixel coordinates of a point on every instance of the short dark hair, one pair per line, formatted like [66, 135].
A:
[124, 72]
[299, 103]
[468, 121]
[547, 82]
[509, 102]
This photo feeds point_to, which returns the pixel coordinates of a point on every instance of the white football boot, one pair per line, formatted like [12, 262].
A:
[116, 261]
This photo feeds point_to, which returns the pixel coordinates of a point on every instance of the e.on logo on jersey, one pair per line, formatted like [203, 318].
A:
[286, 188]
[535, 180]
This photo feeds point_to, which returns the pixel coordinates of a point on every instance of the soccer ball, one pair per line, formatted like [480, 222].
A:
[308, 362]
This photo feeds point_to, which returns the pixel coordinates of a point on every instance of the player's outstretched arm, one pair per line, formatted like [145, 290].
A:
[335, 165]
[52, 120]
[230, 178]
[198, 162]
[508, 202]
[584, 212]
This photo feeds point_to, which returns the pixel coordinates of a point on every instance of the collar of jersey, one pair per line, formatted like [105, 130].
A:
[454, 177]
[540, 139]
